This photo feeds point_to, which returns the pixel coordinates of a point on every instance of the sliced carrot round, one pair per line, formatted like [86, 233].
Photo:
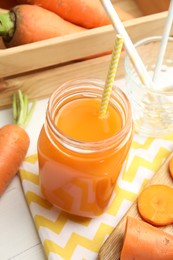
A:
[171, 167]
[155, 205]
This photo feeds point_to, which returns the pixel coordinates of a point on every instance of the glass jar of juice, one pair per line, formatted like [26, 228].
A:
[80, 154]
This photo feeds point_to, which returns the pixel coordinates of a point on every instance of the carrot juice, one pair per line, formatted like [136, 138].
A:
[80, 154]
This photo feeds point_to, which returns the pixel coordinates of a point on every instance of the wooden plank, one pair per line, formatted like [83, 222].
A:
[150, 7]
[129, 6]
[42, 83]
[19, 238]
[112, 247]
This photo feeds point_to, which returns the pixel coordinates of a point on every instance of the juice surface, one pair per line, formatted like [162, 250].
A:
[77, 182]
[80, 120]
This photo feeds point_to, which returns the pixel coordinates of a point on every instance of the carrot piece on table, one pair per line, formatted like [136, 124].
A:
[143, 241]
[171, 167]
[86, 13]
[155, 205]
[30, 23]
[14, 140]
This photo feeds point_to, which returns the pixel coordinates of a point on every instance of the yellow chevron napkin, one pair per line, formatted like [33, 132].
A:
[65, 237]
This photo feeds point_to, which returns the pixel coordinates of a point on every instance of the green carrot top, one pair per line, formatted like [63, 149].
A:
[22, 113]
[7, 24]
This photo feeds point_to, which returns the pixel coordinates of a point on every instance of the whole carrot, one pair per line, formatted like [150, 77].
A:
[86, 13]
[142, 241]
[14, 140]
[30, 23]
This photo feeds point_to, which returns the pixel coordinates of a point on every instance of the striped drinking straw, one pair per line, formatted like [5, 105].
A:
[111, 75]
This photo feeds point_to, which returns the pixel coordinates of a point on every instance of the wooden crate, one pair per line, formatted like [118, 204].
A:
[38, 68]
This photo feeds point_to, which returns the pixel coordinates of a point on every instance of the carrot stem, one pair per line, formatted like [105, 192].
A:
[29, 114]
[26, 104]
[21, 109]
[22, 112]
[7, 24]
[14, 109]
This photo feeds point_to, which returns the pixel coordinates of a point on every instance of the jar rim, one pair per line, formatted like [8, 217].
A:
[128, 70]
[117, 138]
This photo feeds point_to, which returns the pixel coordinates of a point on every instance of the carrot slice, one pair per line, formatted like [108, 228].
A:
[143, 241]
[171, 167]
[155, 205]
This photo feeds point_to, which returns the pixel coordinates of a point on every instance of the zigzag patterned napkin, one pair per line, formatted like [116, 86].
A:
[65, 237]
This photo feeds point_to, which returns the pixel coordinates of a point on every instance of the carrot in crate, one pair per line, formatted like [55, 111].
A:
[86, 13]
[30, 23]
[14, 140]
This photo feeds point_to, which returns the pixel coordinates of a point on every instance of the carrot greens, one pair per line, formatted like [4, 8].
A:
[22, 113]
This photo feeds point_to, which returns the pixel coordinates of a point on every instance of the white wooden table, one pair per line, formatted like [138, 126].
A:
[18, 236]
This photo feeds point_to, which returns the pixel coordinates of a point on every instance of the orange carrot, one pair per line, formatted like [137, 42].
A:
[171, 167]
[86, 13]
[142, 241]
[28, 23]
[155, 205]
[14, 141]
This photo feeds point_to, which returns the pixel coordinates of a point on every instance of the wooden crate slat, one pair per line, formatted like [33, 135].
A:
[71, 47]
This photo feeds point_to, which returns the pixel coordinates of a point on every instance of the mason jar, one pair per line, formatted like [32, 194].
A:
[78, 176]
